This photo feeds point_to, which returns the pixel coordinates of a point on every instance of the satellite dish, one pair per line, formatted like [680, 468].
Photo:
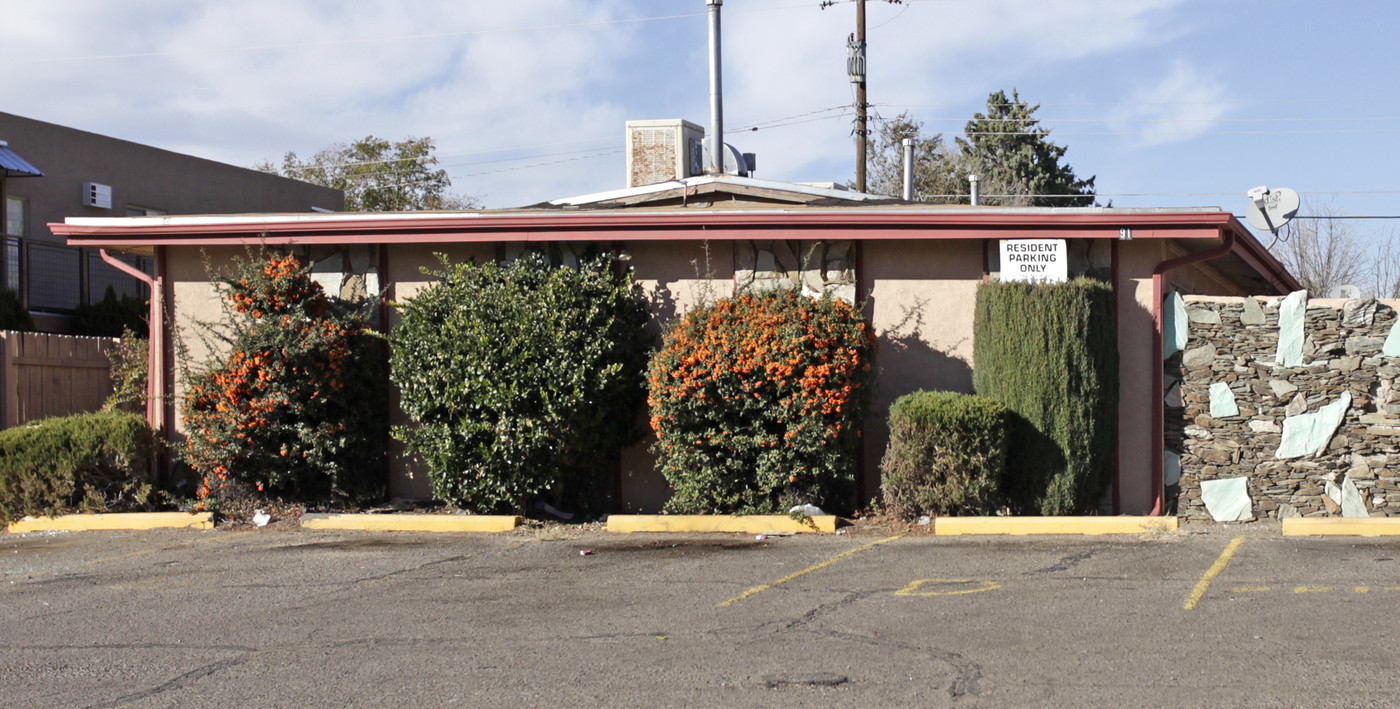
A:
[1345, 291]
[1269, 210]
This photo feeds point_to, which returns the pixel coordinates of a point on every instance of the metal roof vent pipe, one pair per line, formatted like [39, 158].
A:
[908, 192]
[716, 166]
[976, 194]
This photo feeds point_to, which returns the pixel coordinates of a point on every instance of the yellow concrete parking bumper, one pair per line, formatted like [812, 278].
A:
[953, 526]
[114, 521]
[745, 524]
[411, 523]
[1341, 526]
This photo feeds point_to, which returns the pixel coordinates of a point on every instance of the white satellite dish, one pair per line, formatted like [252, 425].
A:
[1269, 210]
[1347, 291]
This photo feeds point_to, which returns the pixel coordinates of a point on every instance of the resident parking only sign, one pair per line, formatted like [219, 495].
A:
[1038, 260]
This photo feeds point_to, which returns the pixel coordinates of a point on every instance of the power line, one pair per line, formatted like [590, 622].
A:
[1100, 104]
[1351, 119]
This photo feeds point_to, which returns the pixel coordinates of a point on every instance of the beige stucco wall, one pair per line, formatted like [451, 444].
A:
[921, 298]
[194, 298]
[1136, 359]
[675, 277]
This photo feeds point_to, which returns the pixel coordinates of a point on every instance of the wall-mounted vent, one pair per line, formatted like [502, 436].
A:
[96, 194]
[660, 151]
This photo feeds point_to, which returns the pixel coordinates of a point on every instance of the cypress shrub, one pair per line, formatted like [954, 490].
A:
[947, 455]
[87, 462]
[1050, 353]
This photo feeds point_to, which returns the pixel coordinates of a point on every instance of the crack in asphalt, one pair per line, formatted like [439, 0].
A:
[967, 673]
[178, 681]
[1065, 563]
[824, 608]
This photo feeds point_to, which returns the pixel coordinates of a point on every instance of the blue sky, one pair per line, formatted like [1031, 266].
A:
[1168, 102]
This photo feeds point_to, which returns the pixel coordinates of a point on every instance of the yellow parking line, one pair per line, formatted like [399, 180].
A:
[1249, 589]
[1361, 589]
[808, 570]
[1204, 584]
[1311, 589]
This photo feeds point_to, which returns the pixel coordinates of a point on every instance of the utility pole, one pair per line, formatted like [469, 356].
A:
[862, 130]
[855, 69]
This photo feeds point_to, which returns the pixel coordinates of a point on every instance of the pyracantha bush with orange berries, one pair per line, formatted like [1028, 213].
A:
[292, 403]
[757, 403]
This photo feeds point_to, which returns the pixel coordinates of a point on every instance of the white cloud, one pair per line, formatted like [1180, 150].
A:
[1181, 105]
[491, 85]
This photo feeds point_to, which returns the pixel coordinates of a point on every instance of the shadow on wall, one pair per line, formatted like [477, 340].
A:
[907, 362]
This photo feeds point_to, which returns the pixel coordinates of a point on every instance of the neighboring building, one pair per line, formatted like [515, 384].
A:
[914, 267]
[88, 175]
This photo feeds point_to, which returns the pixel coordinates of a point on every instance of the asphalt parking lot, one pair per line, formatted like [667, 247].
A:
[1213, 616]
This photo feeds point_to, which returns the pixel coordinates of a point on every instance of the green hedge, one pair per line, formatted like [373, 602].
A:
[946, 455]
[522, 381]
[1050, 353]
[87, 463]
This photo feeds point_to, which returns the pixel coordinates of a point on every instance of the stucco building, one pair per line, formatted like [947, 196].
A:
[915, 268]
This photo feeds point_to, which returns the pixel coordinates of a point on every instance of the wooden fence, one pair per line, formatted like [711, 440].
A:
[52, 375]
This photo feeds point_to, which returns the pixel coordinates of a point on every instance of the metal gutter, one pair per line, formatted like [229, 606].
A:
[155, 345]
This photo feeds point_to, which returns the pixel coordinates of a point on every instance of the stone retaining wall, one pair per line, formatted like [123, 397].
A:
[1233, 341]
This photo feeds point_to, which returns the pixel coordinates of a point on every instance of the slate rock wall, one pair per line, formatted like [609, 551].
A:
[1234, 341]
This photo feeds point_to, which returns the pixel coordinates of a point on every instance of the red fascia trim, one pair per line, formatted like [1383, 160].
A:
[1258, 257]
[646, 224]
[732, 234]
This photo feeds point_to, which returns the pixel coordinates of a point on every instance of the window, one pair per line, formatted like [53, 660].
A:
[135, 211]
[12, 266]
[16, 216]
[55, 274]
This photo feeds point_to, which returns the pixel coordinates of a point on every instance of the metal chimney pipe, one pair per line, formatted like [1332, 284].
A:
[976, 194]
[716, 166]
[908, 192]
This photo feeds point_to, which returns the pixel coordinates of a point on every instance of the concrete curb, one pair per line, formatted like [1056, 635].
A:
[1021, 526]
[114, 521]
[1341, 526]
[746, 524]
[410, 523]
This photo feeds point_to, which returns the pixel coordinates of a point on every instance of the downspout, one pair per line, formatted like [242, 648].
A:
[1158, 426]
[155, 347]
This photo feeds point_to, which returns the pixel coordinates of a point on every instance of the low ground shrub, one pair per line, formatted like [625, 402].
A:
[86, 463]
[291, 403]
[946, 455]
[1050, 353]
[522, 381]
[757, 403]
